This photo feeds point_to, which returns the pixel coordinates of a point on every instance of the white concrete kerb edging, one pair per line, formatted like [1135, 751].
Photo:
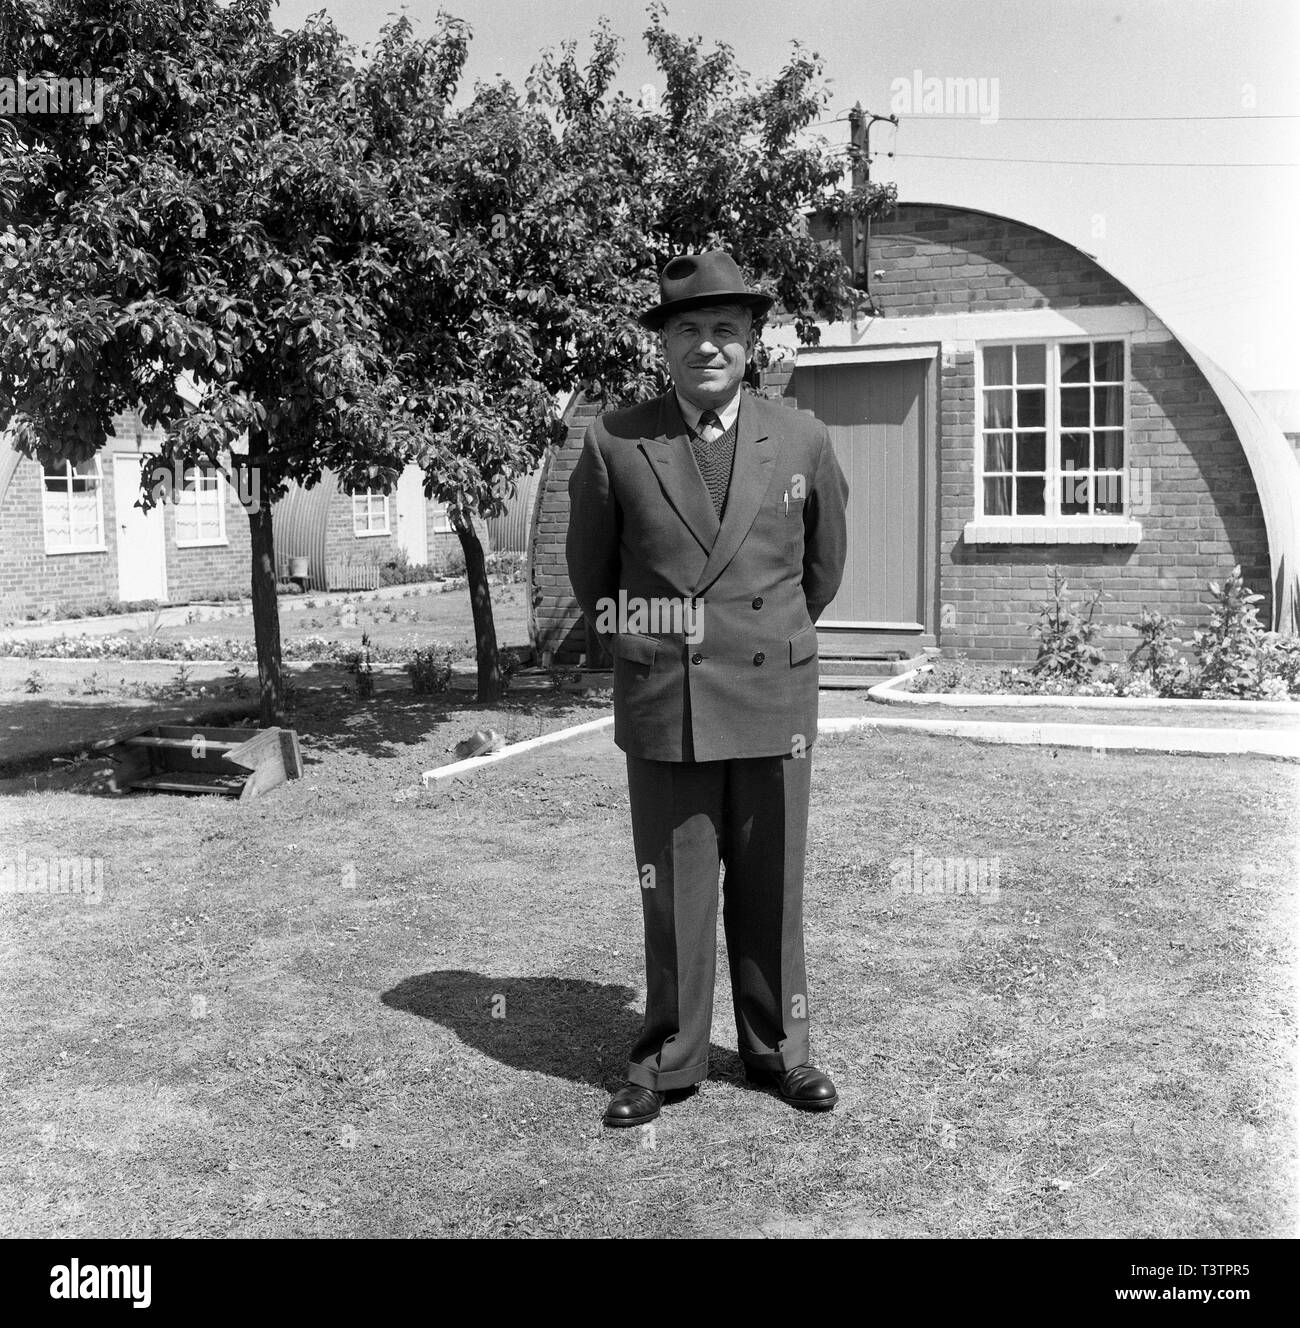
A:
[1100, 738]
[890, 693]
[477, 762]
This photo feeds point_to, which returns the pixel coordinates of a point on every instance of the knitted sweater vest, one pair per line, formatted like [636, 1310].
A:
[715, 461]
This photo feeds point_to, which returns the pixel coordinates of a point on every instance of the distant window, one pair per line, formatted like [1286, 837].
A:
[73, 507]
[200, 511]
[441, 521]
[1052, 430]
[369, 514]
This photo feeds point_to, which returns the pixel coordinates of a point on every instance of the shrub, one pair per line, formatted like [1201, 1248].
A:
[362, 667]
[954, 675]
[1281, 658]
[1066, 652]
[509, 565]
[429, 669]
[399, 570]
[509, 662]
[1231, 650]
[1167, 673]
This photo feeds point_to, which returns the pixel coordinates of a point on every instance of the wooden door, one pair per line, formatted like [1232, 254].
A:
[879, 415]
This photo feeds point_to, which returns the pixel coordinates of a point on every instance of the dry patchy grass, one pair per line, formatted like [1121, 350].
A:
[280, 1022]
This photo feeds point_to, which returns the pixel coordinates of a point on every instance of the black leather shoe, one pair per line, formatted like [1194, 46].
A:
[804, 1086]
[633, 1105]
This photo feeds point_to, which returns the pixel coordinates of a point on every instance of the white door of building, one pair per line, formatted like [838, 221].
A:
[141, 536]
[412, 515]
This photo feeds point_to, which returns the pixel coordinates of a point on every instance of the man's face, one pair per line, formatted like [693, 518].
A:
[707, 350]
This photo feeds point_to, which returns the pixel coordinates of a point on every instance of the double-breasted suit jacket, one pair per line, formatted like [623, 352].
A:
[734, 675]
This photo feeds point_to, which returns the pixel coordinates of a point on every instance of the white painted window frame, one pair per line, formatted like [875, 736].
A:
[47, 495]
[370, 530]
[1053, 526]
[218, 497]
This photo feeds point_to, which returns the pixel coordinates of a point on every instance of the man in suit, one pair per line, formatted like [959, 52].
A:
[706, 535]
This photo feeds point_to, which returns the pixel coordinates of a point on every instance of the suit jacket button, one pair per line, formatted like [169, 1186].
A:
[758, 602]
[697, 658]
[759, 658]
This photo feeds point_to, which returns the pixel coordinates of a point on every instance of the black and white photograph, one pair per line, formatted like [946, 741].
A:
[649, 622]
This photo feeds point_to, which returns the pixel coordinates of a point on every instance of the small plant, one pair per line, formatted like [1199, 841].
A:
[508, 664]
[180, 684]
[561, 677]
[508, 565]
[1156, 657]
[429, 669]
[1065, 635]
[1281, 667]
[32, 683]
[238, 681]
[92, 687]
[1231, 651]
[363, 669]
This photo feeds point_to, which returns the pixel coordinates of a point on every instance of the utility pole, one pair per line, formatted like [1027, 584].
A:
[859, 244]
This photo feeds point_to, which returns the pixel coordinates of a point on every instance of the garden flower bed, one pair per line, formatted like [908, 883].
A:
[960, 682]
[225, 649]
[1233, 658]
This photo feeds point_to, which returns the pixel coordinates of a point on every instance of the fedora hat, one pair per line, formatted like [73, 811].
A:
[694, 281]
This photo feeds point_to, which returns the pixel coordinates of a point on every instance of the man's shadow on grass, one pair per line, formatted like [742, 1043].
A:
[566, 1027]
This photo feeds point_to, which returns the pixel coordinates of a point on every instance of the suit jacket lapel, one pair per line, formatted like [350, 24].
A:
[674, 463]
[751, 475]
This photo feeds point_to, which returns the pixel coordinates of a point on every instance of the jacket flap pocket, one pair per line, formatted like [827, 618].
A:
[803, 645]
[642, 649]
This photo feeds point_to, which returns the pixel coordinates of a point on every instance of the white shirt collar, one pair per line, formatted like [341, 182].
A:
[691, 414]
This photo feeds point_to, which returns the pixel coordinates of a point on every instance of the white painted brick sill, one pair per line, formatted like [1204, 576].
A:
[1100, 532]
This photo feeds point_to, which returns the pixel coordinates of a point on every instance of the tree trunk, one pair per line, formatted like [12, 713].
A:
[480, 599]
[266, 614]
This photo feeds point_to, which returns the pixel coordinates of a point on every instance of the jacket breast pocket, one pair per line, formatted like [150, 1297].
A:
[783, 520]
[639, 649]
[803, 646]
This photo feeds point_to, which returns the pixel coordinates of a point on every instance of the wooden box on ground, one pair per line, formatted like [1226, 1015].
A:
[190, 758]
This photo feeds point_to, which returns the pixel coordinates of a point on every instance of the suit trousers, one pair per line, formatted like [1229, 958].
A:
[751, 816]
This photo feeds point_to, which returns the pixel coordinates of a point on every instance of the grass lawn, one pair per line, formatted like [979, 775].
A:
[361, 1008]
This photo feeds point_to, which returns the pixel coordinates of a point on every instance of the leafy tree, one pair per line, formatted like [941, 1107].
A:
[357, 275]
[559, 210]
[223, 222]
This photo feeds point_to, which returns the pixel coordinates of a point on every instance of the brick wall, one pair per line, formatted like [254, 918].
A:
[558, 626]
[1204, 516]
[948, 260]
[1204, 510]
[31, 579]
[1205, 513]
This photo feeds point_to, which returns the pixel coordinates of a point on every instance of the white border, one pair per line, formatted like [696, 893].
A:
[890, 692]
